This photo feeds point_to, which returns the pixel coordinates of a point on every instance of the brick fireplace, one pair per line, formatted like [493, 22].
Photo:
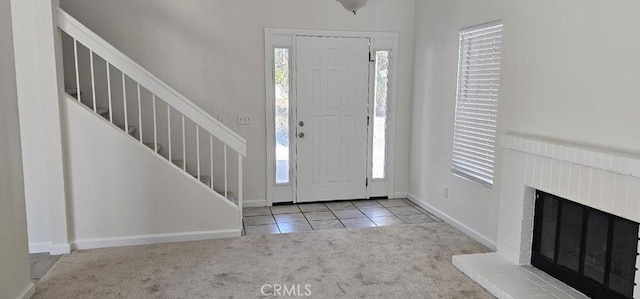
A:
[602, 180]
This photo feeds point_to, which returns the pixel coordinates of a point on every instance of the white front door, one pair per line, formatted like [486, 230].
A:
[332, 108]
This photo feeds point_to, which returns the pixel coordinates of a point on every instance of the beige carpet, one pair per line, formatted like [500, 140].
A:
[410, 261]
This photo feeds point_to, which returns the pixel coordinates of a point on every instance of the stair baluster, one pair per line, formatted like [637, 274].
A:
[99, 50]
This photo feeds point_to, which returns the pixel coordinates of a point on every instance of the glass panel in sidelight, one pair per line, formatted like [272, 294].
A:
[281, 78]
[380, 114]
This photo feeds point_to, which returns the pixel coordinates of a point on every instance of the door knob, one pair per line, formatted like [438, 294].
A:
[301, 123]
[301, 135]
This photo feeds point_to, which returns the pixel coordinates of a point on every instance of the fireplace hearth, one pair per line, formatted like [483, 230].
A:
[590, 250]
[605, 181]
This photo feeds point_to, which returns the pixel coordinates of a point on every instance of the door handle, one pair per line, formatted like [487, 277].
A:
[301, 134]
[301, 123]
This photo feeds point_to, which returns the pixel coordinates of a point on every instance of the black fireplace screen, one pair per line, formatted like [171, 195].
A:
[590, 250]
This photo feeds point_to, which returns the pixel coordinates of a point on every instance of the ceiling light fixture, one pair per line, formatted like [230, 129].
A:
[353, 5]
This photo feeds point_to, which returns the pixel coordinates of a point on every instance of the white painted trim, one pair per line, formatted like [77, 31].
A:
[453, 222]
[49, 248]
[39, 247]
[154, 239]
[601, 159]
[137, 73]
[28, 291]
[277, 37]
[255, 203]
[57, 249]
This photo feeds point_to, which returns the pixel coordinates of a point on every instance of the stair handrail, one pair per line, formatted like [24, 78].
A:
[137, 73]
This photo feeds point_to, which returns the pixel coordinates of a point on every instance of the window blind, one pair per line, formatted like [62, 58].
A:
[474, 137]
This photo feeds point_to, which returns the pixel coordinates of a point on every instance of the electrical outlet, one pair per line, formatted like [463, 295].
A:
[445, 192]
[245, 119]
[222, 118]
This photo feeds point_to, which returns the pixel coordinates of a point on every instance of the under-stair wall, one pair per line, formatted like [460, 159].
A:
[143, 163]
[121, 194]
[141, 118]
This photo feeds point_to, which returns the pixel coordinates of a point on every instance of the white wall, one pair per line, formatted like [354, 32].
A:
[122, 194]
[37, 77]
[15, 279]
[213, 52]
[568, 74]
[437, 25]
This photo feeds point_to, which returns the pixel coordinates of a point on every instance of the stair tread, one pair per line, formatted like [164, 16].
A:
[131, 129]
[206, 179]
[153, 145]
[102, 110]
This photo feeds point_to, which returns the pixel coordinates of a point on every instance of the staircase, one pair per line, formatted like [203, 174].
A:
[156, 116]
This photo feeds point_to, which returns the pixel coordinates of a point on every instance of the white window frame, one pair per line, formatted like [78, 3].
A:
[285, 38]
[474, 152]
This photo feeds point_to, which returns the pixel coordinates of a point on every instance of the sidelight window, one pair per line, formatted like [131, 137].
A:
[380, 114]
[281, 76]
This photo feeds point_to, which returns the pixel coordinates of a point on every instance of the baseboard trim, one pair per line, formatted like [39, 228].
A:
[255, 203]
[154, 239]
[28, 291]
[39, 247]
[453, 222]
[49, 248]
[57, 249]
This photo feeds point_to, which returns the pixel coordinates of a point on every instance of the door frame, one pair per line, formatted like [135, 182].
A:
[286, 38]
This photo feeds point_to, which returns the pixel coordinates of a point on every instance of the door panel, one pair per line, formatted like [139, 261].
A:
[332, 95]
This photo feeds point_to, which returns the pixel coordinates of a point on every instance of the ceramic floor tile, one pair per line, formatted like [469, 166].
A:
[366, 203]
[313, 207]
[40, 264]
[387, 221]
[326, 224]
[416, 219]
[257, 220]
[358, 223]
[393, 203]
[286, 209]
[267, 229]
[296, 217]
[404, 211]
[320, 216]
[434, 217]
[264, 211]
[349, 214]
[409, 202]
[376, 212]
[340, 205]
[294, 227]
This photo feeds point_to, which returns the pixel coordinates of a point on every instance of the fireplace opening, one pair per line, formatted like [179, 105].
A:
[590, 250]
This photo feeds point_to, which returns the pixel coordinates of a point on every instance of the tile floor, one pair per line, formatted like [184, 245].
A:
[40, 264]
[333, 215]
